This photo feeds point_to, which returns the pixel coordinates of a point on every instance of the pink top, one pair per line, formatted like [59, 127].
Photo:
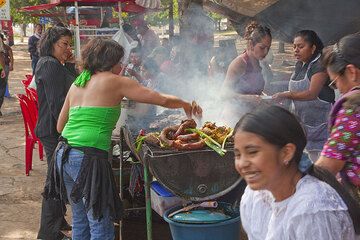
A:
[252, 81]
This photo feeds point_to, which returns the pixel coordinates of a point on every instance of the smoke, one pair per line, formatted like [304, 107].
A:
[190, 81]
[284, 18]
[197, 31]
[193, 82]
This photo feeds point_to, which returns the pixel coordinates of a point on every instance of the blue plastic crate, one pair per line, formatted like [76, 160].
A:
[160, 190]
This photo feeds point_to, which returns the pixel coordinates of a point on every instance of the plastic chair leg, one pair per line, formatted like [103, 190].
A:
[41, 151]
[28, 155]
[32, 146]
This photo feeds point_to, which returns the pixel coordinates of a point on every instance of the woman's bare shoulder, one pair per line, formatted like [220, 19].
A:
[108, 78]
[239, 61]
[238, 64]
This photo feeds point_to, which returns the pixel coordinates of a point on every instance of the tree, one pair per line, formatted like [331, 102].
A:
[20, 17]
[217, 18]
[161, 18]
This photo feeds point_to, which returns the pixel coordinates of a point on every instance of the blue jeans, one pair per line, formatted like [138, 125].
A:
[34, 61]
[84, 225]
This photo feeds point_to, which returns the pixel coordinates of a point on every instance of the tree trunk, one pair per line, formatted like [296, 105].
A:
[23, 31]
[281, 47]
[171, 20]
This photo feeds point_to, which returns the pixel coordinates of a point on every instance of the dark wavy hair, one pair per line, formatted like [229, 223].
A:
[342, 53]
[311, 38]
[50, 37]
[100, 55]
[279, 127]
[254, 32]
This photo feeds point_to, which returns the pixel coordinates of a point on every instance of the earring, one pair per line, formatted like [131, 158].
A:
[287, 162]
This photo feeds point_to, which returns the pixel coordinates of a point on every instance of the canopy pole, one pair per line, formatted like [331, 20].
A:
[77, 31]
[101, 15]
[120, 11]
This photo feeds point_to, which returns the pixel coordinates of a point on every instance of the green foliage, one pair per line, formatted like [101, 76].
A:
[215, 16]
[161, 17]
[21, 17]
[124, 15]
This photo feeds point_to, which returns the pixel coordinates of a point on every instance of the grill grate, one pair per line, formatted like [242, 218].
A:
[195, 175]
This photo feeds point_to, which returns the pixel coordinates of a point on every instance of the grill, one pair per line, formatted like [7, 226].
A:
[196, 175]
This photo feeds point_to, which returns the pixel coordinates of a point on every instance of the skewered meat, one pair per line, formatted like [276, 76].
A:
[188, 123]
[215, 132]
[177, 137]
[167, 135]
[188, 137]
[184, 141]
[180, 145]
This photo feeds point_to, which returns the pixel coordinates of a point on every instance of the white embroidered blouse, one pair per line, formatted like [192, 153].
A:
[315, 211]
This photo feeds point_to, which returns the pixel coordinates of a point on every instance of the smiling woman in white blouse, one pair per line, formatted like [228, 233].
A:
[287, 197]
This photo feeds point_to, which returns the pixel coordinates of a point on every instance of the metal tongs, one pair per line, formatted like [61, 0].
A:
[211, 204]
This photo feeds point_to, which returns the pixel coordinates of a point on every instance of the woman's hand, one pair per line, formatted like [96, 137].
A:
[3, 73]
[257, 99]
[282, 95]
[71, 58]
[193, 109]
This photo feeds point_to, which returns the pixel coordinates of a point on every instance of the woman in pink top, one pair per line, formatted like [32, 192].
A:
[341, 153]
[244, 81]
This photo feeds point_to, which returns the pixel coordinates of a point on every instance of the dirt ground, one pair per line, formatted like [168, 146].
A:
[20, 199]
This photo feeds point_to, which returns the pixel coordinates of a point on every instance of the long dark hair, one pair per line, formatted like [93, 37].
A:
[312, 38]
[100, 55]
[339, 55]
[50, 37]
[280, 127]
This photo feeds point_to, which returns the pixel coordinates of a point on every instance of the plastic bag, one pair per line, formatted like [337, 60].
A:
[126, 42]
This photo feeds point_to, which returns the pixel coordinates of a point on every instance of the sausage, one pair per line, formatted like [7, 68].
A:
[180, 145]
[188, 137]
[188, 123]
[166, 135]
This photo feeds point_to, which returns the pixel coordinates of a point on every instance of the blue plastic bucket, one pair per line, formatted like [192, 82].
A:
[225, 230]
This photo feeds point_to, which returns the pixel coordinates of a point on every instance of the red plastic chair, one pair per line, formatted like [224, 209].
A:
[30, 113]
[26, 82]
[29, 76]
[32, 95]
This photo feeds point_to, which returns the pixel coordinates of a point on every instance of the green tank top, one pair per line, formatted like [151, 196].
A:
[91, 126]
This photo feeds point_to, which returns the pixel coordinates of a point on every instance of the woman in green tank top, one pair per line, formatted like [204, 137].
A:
[89, 114]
